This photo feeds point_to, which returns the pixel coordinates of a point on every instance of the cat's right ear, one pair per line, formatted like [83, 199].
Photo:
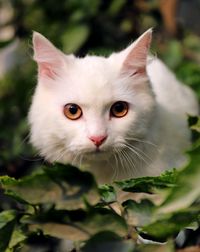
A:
[49, 59]
[136, 55]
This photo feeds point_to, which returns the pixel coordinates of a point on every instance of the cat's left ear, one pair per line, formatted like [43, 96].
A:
[49, 59]
[136, 55]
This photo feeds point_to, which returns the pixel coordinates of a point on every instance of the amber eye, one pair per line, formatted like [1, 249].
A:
[72, 111]
[119, 109]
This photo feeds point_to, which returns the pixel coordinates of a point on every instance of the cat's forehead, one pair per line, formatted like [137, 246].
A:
[92, 82]
[90, 77]
[95, 67]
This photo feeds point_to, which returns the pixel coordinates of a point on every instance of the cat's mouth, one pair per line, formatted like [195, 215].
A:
[96, 153]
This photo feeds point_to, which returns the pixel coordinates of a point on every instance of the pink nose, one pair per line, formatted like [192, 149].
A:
[98, 140]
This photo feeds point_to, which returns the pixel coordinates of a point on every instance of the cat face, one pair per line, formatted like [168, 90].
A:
[88, 108]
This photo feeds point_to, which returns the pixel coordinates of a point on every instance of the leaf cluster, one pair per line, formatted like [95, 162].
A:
[78, 27]
[63, 202]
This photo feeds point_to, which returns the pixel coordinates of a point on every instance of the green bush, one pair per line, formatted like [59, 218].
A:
[66, 203]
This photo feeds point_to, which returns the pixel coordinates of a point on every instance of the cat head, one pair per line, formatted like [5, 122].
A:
[89, 107]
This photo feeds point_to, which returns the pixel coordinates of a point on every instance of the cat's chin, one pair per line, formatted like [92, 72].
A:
[97, 154]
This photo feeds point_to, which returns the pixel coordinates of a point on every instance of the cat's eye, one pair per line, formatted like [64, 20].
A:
[119, 109]
[72, 111]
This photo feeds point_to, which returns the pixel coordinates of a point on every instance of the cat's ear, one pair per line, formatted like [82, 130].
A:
[49, 59]
[136, 55]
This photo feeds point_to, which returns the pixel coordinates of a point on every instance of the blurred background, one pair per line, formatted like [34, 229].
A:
[80, 27]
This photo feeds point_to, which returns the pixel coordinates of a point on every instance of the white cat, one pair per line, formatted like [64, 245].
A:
[118, 117]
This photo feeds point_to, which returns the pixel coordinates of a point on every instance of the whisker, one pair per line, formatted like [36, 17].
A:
[130, 167]
[141, 154]
[81, 159]
[116, 168]
[123, 160]
[60, 155]
[110, 164]
[141, 141]
[130, 148]
[120, 155]
[118, 162]
[75, 159]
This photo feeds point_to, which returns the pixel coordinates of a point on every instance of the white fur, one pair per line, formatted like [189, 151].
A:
[156, 120]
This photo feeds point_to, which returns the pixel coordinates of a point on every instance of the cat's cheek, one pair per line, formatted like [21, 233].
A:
[119, 128]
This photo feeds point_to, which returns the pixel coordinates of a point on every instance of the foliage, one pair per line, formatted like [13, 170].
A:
[76, 27]
[65, 203]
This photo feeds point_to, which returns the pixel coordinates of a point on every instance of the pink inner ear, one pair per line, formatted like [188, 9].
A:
[134, 70]
[47, 56]
[46, 70]
[135, 62]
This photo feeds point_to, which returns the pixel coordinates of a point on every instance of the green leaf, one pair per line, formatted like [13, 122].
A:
[187, 189]
[62, 224]
[194, 123]
[149, 184]
[5, 183]
[192, 41]
[77, 224]
[169, 225]
[22, 190]
[138, 213]
[7, 224]
[115, 7]
[107, 241]
[102, 219]
[189, 73]
[173, 48]
[61, 231]
[74, 37]
[6, 217]
[62, 185]
[108, 193]
[17, 238]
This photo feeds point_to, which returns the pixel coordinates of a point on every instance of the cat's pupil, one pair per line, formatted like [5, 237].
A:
[73, 109]
[119, 107]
